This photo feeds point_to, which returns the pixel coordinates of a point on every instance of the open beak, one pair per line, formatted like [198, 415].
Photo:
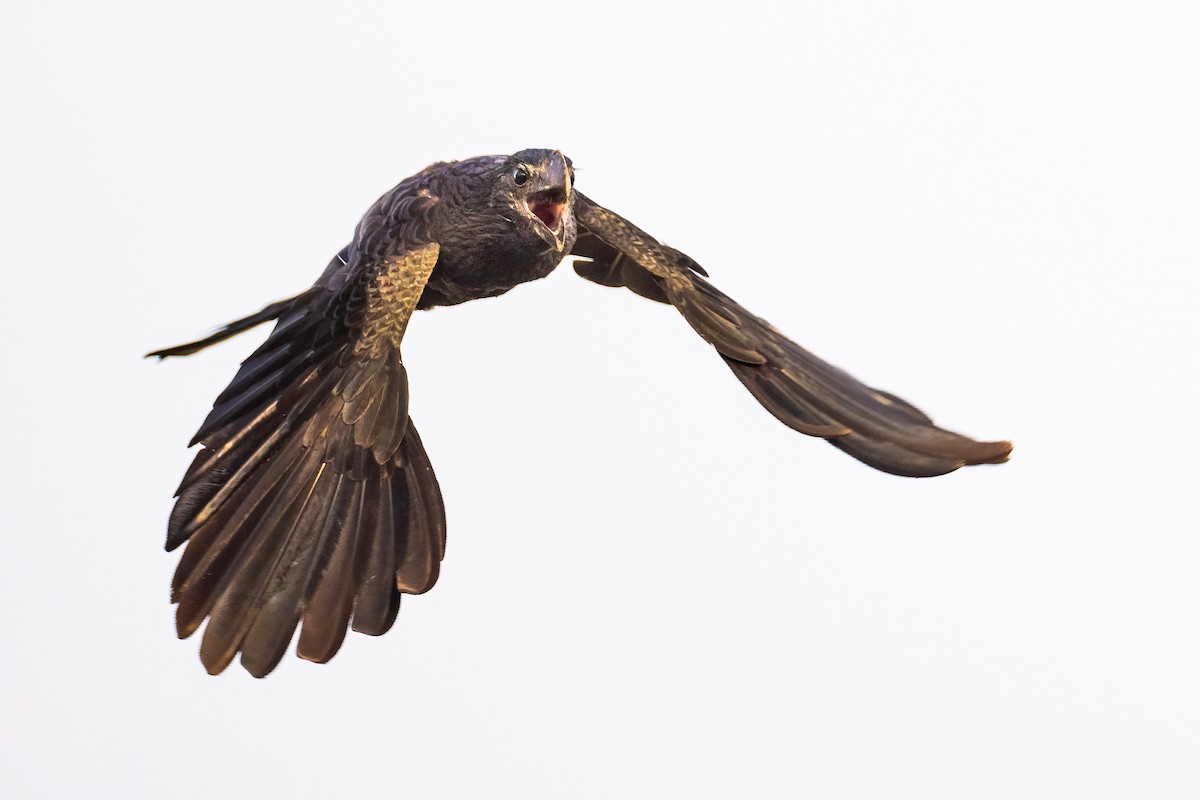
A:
[549, 202]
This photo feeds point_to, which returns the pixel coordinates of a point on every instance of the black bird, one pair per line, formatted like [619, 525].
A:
[312, 501]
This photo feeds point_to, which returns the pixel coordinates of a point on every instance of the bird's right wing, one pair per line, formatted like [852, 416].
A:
[312, 500]
[802, 391]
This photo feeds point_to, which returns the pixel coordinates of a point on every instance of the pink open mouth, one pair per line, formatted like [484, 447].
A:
[548, 207]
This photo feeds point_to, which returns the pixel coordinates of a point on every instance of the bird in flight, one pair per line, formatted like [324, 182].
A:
[312, 503]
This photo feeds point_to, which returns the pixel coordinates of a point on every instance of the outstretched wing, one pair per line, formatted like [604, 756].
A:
[799, 389]
[312, 501]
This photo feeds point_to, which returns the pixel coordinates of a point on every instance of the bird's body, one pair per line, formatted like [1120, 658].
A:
[313, 502]
[487, 245]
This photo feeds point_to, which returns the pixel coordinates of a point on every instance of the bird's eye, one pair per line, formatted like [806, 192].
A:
[520, 175]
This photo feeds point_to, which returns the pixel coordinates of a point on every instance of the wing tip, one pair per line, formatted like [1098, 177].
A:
[993, 453]
[169, 352]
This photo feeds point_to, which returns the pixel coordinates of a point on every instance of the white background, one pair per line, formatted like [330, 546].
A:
[652, 588]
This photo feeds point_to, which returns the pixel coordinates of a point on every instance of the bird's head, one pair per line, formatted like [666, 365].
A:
[538, 187]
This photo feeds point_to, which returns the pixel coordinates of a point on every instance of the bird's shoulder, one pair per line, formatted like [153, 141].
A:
[407, 219]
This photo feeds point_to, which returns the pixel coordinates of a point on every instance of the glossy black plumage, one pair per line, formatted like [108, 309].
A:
[312, 502]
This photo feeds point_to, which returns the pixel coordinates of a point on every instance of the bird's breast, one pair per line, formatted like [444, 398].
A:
[469, 272]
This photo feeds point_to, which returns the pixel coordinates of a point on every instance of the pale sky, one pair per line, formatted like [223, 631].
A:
[652, 588]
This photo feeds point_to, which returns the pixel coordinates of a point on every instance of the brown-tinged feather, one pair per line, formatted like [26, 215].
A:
[297, 506]
[802, 391]
[328, 613]
[377, 594]
[294, 579]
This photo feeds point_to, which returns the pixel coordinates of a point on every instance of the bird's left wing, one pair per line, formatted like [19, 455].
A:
[312, 500]
[802, 391]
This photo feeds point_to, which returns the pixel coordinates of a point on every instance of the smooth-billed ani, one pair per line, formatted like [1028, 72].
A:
[311, 501]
